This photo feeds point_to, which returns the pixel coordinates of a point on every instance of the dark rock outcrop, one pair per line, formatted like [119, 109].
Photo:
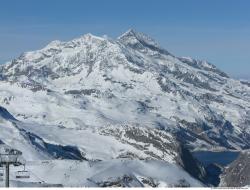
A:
[237, 174]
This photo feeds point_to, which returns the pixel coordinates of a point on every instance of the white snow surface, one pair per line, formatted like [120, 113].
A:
[130, 173]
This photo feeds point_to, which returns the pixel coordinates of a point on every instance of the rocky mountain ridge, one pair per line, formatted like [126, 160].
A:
[189, 97]
[100, 99]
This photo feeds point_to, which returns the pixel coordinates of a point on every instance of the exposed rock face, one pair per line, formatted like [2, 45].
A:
[4, 114]
[237, 174]
[191, 165]
[157, 145]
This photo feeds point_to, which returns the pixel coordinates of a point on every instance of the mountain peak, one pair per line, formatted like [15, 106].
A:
[130, 32]
[132, 37]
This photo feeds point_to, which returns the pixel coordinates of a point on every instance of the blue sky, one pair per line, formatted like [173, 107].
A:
[215, 30]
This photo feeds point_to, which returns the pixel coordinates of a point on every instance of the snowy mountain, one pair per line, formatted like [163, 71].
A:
[94, 98]
[105, 156]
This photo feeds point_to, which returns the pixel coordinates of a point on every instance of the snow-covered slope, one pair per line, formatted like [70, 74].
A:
[94, 98]
[112, 173]
[103, 156]
[93, 81]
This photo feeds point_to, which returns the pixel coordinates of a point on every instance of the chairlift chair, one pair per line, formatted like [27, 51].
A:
[1, 171]
[1, 174]
[22, 174]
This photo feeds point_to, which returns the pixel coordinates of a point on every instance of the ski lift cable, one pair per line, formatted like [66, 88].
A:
[38, 178]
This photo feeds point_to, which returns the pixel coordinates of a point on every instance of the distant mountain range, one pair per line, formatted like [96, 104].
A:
[104, 100]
